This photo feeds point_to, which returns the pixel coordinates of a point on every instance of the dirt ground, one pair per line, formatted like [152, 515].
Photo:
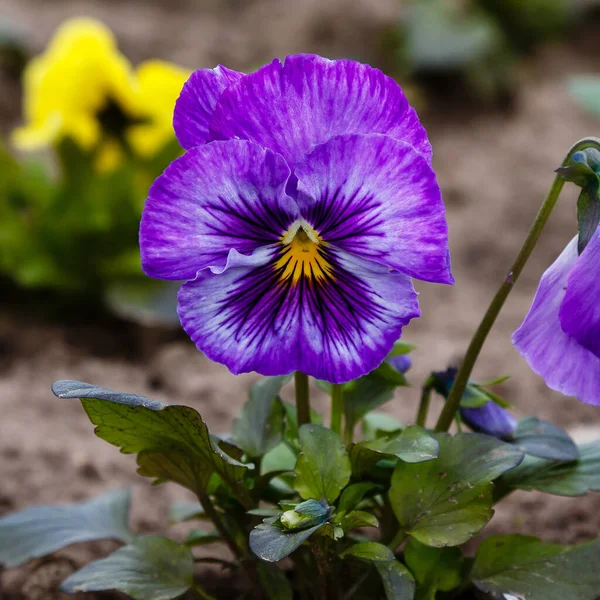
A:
[494, 170]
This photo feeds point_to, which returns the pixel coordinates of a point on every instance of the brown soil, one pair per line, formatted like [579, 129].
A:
[494, 170]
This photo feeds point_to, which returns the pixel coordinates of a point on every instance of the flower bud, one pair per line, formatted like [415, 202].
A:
[401, 363]
[304, 515]
[490, 419]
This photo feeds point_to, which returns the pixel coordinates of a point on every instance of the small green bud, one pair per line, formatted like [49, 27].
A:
[304, 515]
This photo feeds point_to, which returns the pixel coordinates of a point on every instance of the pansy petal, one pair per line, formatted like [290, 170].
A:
[292, 107]
[214, 198]
[196, 103]
[580, 309]
[376, 197]
[565, 365]
[251, 319]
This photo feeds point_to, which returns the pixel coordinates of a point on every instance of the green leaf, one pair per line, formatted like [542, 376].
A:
[358, 518]
[273, 544]
[530, 569]
[575, 478]
[354, 493]
[274, 582]
[173, 442]
[412, 445]
[435, 569]
[370, 392]
[445, 501]
[291, 429]
[260, 426]
[397, 581]
[150, 568]
[401, 348]
[545, 440]
[323, 467]
[379, 424]
[186, 511]
[370, 552]
[40, 530]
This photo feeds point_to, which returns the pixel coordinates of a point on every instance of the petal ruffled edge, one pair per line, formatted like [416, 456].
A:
[559, 359]
[196, 103]
[376, 197]
[246, 319]
[308, 99]
[214, 198]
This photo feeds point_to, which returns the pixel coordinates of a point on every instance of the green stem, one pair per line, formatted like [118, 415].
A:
[200, 592]
[302, 398]
[348, 432]
[425, 400]
[337, 407]
[480, 335]
[398, 539]
[214, 516]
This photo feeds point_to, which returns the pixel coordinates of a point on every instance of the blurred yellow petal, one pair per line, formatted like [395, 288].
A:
[109, 157]
[79, 74]
[160, 84]
[35, 137]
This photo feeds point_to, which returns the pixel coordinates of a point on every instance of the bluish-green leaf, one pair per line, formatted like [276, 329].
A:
[575, 478]
[40, 530]
[173, 442]
[435, 569]
[370, 552]
[446, 501]
[197, 537]
[529, 569]
[260, 426]
[149, 568]
[271, 543]
[545, 440]
[397, 581]
[586, 90]
[323, 467]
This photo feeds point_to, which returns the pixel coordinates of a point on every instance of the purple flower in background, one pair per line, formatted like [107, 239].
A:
[302, 208]
[560, 337]
[402, 362]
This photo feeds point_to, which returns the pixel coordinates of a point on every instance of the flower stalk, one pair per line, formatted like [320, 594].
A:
[302, 398]
[425, 401]
[337, 407]
[452, 404]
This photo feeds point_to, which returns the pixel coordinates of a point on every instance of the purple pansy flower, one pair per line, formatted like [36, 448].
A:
[560, 337]
[302, 208]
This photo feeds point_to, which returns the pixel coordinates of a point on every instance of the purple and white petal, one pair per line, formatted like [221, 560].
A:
[214, 198]
[250, 319]
[378, 198]
[291, 107]
[196, 103]
[580, 309]
[565, 365]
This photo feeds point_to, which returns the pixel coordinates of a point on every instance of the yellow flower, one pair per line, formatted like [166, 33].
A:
[82, 87]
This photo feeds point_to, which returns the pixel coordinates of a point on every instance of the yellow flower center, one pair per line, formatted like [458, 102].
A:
[302, 255]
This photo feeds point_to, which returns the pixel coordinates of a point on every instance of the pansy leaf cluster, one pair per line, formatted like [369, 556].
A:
[302, 209]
